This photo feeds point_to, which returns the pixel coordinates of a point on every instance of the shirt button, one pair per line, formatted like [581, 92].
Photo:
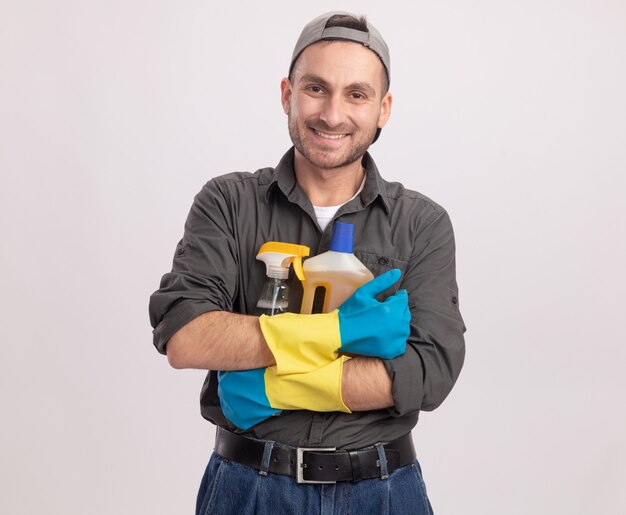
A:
[383, 261]
[454, 300]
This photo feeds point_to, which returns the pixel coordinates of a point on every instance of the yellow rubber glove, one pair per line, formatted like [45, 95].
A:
[250, 396]
[301, 343]
[362, 325]
[317, 390]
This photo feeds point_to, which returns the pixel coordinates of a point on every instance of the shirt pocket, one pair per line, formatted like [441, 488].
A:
[378, 264]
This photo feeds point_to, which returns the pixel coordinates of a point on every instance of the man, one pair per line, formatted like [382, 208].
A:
[337, 101]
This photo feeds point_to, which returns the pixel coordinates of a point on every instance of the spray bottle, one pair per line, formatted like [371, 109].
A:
[337, 271]
[278, 257]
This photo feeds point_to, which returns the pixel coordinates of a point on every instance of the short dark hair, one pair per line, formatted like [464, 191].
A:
[350, 22]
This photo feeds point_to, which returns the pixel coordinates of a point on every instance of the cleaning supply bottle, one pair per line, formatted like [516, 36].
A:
[278, 257]
[335, 273]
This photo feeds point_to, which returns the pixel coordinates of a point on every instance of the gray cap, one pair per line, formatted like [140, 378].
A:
[316, 30]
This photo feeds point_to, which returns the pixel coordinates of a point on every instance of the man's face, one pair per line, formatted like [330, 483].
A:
[335, 103]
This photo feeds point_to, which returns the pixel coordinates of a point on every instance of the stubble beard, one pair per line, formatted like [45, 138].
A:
[327, 159]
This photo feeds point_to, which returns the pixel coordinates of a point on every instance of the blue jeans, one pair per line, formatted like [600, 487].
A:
[230, 488]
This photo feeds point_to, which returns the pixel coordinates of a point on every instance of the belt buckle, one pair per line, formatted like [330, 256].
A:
[300, 466]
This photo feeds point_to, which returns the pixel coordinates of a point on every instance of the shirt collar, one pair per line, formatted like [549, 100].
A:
[284, 177]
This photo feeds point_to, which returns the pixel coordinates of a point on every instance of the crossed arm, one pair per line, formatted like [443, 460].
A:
[220, 340]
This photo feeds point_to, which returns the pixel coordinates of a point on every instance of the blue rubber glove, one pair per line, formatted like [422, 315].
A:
[372, 328]
[308, 369]
[250, 396]
[361, 325]
[243, 398]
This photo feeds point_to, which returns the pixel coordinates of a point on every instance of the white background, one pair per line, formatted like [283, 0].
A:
[113, 114]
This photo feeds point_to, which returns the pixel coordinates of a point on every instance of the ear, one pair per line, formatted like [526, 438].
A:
[285, 94]
[385, 110]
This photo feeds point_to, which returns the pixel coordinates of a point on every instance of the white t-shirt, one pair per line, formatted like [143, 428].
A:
[325, 214]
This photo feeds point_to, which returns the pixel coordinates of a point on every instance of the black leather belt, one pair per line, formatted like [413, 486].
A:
[314, 465]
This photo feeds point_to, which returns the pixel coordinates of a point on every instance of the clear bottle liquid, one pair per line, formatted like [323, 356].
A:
[278, 257]
[274, 298]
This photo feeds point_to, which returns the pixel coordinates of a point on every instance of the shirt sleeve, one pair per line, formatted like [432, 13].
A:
[204, 271]
[425, 374]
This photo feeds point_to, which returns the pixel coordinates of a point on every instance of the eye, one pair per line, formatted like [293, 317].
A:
[315, 89]
[357, 95]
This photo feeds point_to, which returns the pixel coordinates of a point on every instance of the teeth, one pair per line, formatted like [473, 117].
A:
[329, 136]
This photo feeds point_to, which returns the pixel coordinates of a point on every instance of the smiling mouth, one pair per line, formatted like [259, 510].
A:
[330, 136]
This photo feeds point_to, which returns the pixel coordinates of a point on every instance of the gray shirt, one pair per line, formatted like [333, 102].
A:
[215, 268]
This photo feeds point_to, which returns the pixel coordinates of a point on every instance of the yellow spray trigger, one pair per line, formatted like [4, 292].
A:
[276, 254]
[297, 266]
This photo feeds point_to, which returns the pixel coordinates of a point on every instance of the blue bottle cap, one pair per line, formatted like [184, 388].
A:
[343, 238]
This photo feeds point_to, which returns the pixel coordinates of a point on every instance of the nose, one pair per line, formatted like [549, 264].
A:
[332, 111]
